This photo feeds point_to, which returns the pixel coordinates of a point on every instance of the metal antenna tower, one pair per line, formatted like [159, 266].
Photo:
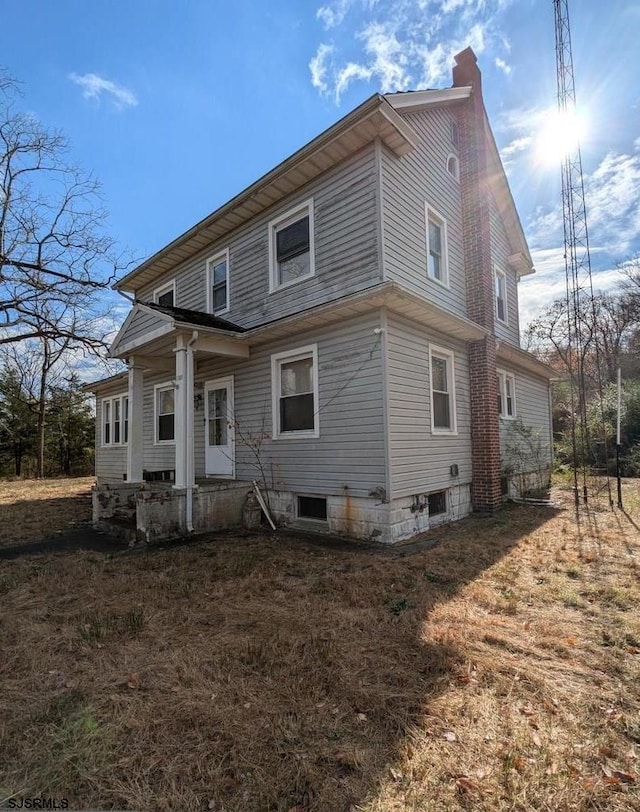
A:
[580, 302]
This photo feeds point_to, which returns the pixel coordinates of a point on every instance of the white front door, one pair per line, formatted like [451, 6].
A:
[219, 433]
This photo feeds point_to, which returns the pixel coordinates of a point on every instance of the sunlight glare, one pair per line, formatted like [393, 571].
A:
[559, 135]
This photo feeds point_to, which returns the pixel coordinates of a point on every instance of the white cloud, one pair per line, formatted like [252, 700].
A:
[502, 65]
[94, 86]
[318, 67]
[403, 43]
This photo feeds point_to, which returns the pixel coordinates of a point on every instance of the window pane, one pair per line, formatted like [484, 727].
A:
[166, 401]
[165, 427]
[294, 268]
[439, 374]
[435, 240]
[220, 272]
[441, 415]
[166, 299]
[296, 413]
[217, 403]
[106, 421]
[296, 377]
[219, 297]
[292, 240]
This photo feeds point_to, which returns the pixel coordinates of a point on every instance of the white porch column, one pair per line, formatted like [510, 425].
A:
[183, 414]
[135, 446]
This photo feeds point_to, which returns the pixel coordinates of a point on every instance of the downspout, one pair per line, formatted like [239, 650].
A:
[189, 450]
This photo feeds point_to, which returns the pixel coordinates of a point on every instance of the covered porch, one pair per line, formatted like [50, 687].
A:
[160, 494]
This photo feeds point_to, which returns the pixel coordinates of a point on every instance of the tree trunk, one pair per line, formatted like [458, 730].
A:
[42, 405]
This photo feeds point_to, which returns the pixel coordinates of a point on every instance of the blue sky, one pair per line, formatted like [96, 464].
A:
[176, 107]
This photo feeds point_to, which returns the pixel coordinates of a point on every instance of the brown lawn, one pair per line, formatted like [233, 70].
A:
[33, 509]
[499, 670]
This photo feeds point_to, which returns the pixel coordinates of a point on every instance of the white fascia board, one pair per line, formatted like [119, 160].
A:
[416, 100]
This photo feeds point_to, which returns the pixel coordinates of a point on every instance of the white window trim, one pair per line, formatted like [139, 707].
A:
[500, 274]
[156, 388]
[502, 376]
[431, 214]
[298, 354]
[276, 225]
[160, 291]
[210, 262]
[111, 400]
[456, 174]
[449, 357]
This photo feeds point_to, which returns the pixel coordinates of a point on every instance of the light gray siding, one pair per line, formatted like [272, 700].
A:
[526, 442]
[408, 183]
[110, 460]
[142, 324]
[350, 449]
[421, 460]
[500, 252]
[346, 250]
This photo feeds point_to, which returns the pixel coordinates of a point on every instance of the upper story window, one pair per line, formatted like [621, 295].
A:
[506, 395]
[291, 253]
[294, 381]
[455, 134]
[453, 166]
[165, 409]
[443, 391]
[436, 247]
[165, 295]
[115, 420]
[218, 283]
[501, 295]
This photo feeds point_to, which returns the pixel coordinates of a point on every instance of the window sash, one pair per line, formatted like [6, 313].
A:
[165, 414]
[218, 271]
[506, 395]
[295, 393]
[442, 392]
[501, 297]
[115, 420]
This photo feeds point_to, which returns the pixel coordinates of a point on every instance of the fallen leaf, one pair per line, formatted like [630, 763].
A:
[552, 769]
[133, 681]
[625, 778]
[395, 774]
[536, 739]
[450, 736]
[175, 689]
[465, 784]
[533, 724]
[526, 710]
[362, 717]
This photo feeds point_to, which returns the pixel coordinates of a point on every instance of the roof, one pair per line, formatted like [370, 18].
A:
[197, 318]
[374, 118]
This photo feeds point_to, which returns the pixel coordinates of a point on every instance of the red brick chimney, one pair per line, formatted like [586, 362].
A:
[486, 492]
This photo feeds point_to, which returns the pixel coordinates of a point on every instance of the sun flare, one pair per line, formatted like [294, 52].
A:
[559, 135]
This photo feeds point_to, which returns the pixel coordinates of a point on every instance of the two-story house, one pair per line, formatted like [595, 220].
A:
[344, 332]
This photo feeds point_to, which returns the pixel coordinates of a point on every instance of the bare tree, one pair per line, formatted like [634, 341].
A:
[53, 246]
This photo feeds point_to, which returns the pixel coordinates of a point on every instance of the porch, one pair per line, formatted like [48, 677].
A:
[152, 511]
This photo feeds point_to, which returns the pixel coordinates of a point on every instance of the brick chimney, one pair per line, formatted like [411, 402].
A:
[475, 194]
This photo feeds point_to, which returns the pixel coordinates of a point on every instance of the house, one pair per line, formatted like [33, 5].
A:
[344, 332]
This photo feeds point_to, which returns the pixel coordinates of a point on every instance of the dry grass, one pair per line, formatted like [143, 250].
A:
[497, 671]
[34, 509]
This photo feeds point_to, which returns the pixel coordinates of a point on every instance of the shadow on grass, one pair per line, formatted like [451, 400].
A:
[277, 673]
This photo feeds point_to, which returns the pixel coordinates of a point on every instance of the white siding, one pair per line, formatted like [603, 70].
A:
[420, 460]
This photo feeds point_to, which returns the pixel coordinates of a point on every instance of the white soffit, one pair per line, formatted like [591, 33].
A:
[416, 100]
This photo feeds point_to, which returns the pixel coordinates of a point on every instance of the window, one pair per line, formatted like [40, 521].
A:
[165, 413]
[166, 294]
[294, 376]
[443, 405]
[453, 167]
[501, 296]
[291, 257]
[455, 134]
[115, 420]
[437, 503]
[312, 507]
[218, 283]
[506, 395]
[436, 247]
